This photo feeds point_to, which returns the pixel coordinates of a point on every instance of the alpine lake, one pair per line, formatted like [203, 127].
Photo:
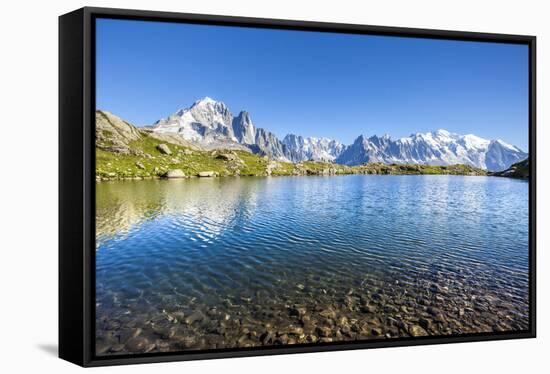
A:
[208, 263]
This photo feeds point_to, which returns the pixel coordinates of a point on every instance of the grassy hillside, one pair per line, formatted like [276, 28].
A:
[126, 152]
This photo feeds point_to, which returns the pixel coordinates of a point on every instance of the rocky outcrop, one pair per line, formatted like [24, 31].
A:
[113, 134]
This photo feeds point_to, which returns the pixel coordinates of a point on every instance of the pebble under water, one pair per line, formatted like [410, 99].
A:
[259, 261]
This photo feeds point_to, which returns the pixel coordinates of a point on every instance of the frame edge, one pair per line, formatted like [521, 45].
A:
[71, 252]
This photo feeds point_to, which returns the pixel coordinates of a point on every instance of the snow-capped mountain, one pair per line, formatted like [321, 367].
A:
[501, 156]
[318, 149]
[207, 122]
[433, 148]
[210, 124]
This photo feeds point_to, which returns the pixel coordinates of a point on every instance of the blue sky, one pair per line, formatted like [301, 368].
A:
[315, 84]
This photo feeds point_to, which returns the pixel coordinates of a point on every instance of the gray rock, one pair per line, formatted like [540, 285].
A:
[206, 174]
[175, 173]
[163, 148]
[140, 165]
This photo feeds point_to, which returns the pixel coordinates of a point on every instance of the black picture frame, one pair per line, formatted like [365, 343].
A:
[77, 182]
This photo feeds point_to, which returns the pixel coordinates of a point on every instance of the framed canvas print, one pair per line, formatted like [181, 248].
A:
[237, 186]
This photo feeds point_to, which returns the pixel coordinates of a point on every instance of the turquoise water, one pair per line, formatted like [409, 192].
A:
[240, 262]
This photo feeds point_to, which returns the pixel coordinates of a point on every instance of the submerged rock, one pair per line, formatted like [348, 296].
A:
[425, 323]
[416, 330]
[328, 313]
[297, 311]
[137, 344]
[376, 331]
[324, 331]
[196, 316]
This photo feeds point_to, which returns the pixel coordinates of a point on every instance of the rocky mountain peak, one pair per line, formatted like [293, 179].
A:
[208, 103]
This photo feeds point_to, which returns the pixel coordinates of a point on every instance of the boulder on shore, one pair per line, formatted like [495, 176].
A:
[226, 156]
[175, 173]
[206, 174]
[163, 148]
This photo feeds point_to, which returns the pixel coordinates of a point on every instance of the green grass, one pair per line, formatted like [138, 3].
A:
[144, 151]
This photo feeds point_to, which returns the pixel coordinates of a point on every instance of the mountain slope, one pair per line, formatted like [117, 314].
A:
[114, 134]
[517, 170]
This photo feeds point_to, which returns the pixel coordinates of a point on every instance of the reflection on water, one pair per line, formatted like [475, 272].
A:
[240, 262]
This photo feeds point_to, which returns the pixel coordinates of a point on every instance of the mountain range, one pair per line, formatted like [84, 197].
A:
[211, 125]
